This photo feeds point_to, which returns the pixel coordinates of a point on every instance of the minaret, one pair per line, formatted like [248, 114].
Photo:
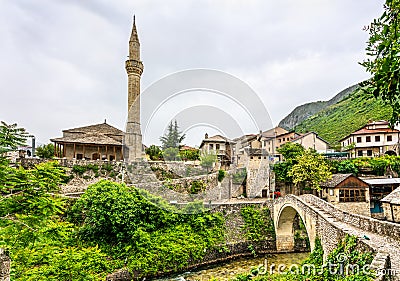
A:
[134, 69]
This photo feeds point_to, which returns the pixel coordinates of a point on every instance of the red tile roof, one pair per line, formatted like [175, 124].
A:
[365, 131]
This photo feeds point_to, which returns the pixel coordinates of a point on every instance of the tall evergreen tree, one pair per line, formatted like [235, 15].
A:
[173, 138]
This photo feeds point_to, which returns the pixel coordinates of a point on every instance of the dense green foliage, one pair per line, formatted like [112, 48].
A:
[11, 137]
[258, 224]
[383, 61]
[42, 245]
[310, 170]
[291, 150]
[109, 227]
[345, 256]
[347, 167]
[305, 168]
[152, 236]
[154, 152]
[171, 154]
[45, 151]
[345, 117]
[190, 154]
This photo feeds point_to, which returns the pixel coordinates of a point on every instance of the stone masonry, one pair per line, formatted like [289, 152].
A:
[134, 69]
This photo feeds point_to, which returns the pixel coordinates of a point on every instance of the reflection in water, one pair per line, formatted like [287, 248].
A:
[229, 270]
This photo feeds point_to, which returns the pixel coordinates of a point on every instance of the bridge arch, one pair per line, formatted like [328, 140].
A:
[284, 216]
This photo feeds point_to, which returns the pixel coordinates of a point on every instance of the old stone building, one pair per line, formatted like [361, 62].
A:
[348, 192]
[103, 141]
[220, 146]
[374, 139]
[313, 141]
[94, 142]
[391, 206]
[380, 188]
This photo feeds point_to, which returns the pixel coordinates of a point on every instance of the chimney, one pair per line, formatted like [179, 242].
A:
[206, 136]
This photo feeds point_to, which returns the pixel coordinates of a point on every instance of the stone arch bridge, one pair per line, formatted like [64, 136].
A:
[331, 224]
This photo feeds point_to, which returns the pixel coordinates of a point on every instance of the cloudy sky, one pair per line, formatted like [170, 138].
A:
[62, 61]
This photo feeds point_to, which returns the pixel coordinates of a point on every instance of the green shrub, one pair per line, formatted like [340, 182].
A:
[221, 175]
[78, 169]
[197, 186]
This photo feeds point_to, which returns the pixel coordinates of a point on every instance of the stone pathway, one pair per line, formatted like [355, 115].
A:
[376, 241]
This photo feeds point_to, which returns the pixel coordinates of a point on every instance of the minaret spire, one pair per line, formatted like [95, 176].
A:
[134, 44]
[134, 69]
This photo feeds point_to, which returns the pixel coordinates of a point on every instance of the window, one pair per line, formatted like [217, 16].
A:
[369, 152]
[259, 157]
[360, 153]
[217, 146]
[351, 195]
[330, 192]
[368, 139]
[389, 138]
[79, 156]
[279, 140]
[358, 139]
[211, 146]
[112, 158]
[377, 138]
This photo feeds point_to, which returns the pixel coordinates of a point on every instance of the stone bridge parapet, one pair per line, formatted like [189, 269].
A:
[383, 228]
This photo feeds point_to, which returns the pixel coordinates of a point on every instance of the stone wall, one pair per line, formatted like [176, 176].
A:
[360, 208]
[182, 169]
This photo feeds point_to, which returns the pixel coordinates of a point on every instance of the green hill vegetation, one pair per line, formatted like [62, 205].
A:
[348, 115]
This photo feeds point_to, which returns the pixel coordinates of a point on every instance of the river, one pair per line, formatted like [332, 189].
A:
[227, 271]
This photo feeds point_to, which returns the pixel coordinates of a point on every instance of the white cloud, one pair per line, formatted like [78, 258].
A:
[63, 61]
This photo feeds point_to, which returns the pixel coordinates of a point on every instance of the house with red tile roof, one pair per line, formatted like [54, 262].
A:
[374, 139]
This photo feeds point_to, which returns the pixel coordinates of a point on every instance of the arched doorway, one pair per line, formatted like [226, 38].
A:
[391, 153]
[292, 230]
[95, 156]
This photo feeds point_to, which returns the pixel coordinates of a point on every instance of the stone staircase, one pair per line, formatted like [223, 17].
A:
[383, 245]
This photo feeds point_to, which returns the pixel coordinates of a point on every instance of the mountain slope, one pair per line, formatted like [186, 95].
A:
[302, 112]
[349, 114]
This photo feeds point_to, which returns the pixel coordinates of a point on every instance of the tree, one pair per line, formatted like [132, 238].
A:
[154, 152]
[11, 137]
[45, 151]
[171, 154]
[383, 49]
[190, 154]
[173, 138]
[310, 170]
[291, 150]
[347, 166]
[207, 160]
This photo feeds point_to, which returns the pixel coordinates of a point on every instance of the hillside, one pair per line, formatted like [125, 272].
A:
[349, 114]
[302, 112]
